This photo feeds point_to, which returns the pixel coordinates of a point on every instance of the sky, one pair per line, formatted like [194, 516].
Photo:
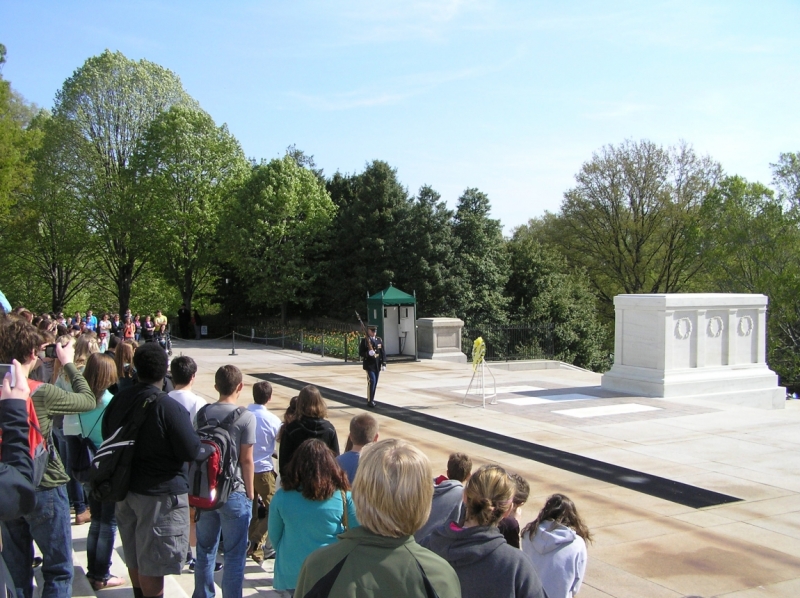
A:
[511, 97]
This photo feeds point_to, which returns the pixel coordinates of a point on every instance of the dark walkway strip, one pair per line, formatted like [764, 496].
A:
[684, 494]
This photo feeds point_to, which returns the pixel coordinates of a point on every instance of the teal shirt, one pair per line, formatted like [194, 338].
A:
[298, 526]
[90, 421]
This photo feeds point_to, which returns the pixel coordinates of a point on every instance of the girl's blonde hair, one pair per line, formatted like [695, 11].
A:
[393, 488]
[489, 494]
[561, 509]
[85, 346]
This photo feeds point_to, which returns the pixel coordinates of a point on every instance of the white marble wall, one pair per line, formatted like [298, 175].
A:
[709, 345]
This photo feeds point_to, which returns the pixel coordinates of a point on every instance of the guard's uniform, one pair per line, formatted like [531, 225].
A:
[372, 364]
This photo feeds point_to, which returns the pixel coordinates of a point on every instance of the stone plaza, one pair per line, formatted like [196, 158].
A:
[645, 545]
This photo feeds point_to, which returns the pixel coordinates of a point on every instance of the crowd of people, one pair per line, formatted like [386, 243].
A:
[370, 521]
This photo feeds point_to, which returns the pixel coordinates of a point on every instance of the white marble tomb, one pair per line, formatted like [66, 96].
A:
[699, 345]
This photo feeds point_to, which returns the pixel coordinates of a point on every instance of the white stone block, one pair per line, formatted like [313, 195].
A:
[698, 345]
[440, 339]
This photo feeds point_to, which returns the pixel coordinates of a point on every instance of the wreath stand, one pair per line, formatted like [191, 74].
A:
[479, 369]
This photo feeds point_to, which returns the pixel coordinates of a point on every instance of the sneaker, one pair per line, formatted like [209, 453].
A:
[82, 518]
[269, 554]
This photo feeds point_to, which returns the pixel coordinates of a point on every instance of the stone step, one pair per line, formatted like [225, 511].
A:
[257, 579]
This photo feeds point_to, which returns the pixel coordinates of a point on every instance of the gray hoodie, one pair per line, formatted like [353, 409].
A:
[486, 565]
[445, 506]
[559, 555]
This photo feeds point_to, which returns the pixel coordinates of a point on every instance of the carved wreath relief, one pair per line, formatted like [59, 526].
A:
[683, 329]
[715, 327]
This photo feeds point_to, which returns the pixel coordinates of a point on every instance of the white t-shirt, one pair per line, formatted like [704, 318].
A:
[267, 431]
[191, 402]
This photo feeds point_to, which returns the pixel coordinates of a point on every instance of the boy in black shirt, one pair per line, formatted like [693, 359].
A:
[153, 520]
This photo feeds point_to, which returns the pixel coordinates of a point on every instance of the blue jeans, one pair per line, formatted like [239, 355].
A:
[100, 541]
[232, 519]
[75, 490]
[372, 380]
[49, 526]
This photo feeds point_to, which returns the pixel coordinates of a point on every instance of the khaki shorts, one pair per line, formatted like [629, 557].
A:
[155, 532]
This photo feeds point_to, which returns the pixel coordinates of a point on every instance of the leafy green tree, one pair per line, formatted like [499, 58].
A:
[365, 239]
[46, 232]
[426, 253]
[110, 102]
[752, 245]
[17, 141]
[481, 266]
[189, 169]
[543, 289]
[632, 219]
[786, 177]
[271, 233]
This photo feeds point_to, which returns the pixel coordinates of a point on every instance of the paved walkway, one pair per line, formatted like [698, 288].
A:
[644, 546]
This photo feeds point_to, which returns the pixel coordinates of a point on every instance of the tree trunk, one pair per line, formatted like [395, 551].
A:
[187, 292]
[124, 286]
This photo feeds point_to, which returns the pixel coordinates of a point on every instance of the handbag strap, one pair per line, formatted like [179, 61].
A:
[95, 422]
[344, 510]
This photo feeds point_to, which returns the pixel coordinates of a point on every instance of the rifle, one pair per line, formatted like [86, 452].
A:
[366, 333]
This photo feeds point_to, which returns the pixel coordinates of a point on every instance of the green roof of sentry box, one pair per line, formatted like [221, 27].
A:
[393, 296]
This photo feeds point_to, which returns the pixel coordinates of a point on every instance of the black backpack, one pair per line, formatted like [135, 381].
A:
[212, 473]
[111, 467]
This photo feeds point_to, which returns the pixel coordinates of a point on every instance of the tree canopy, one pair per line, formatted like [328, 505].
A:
[271, 234]
[110, 102]
[632, 219]
[188, 168]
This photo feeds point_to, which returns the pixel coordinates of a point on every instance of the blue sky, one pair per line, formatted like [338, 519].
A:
[510, 97]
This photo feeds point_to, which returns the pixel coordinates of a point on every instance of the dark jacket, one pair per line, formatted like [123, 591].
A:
[301, 430]
[365, 565]
[167, 441]
[486, 565]
[17, 494]
[375, 362]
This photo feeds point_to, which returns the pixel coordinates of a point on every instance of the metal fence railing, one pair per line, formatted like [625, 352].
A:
[512, 342]
[323, 337]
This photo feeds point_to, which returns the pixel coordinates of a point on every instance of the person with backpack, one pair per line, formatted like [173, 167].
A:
[232, 517]
[48, 524]
[153, 516]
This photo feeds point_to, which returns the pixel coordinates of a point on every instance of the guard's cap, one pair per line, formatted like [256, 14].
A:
[371, 327]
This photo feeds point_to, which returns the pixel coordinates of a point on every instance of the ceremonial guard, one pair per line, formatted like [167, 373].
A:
[372, 352]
